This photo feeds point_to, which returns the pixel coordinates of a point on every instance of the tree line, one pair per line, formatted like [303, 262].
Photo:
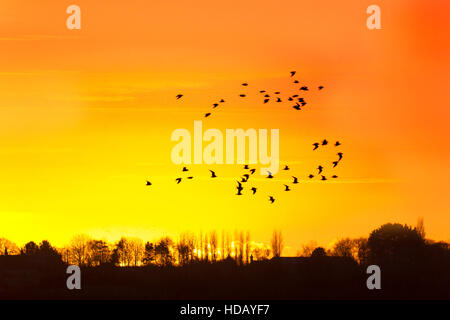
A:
[83, 250]
[388, 244]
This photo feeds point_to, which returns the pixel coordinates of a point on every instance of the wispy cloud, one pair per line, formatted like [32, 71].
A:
[39, 37]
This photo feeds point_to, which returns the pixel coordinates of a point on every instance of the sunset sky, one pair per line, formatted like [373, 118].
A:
[86, 117]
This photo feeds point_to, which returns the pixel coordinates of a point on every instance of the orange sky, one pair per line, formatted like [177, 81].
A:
[86, 116]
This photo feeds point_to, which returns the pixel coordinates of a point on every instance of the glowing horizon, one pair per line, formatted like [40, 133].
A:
[86, 117]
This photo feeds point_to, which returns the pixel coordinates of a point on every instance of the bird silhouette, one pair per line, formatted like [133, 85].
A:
[286, 168]
[242, 95]
[207, 114]
[295, 81]
[334, 176]
[262, 91]
[178, 180]
[320, 87]
[239, 188]
[311, 176]
[277, 92]
[246, 166]
[148, 183]
[266, 100]
[185, 169]
[335, 163]
[279, 100]
[245, 84]
[295, 96]
[246, 176]
[295, 180]
[286, 188]
[252, 171]
[266, 95]
[324, 178]
[243, 179]
[254, 190]
[221, 101]
[304, 88]
[213, 174]
[271, 199]
[320, 168]
[297, 107]
[340, 154]
[215, 105]
[292, 73]
[337, 144]
[290, 99]
[270, 176]
[324, 142]
[179, 96]
[190, 177]
[316, 145]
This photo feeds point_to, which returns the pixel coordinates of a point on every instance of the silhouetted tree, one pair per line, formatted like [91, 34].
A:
[30, 248]
[247, 247]
[206, 247]
[345, 248]
[200, 246]
[136, 246]
[185, 248]
[395, 243]
[227, 250]
[124, 252]
[362, 248]
[222, 251]
[97, 252]
[318, 252]
[149, 254]
[277, 243]
[79, 249]
[241, 247]
[420, 228]
[213, 241]
[163, 252]
[47, 250]
[307, 249]
[235, 245]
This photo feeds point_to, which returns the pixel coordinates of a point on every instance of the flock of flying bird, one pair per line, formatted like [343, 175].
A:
[295, 98]
[299, 103]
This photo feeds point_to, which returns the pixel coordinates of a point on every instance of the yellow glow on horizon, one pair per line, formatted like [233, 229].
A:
[86, 119]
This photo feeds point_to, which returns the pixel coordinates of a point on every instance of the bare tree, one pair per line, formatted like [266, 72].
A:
[344, 248]
[420, 228]
[227, 250]
[277, 243]
[247, 247]
[163, 252]
[136, 247]
[241, 247]
[200, 245]
[124, 252]
[79, 249]
[236, 245]
[307, 249]
[185, 248]
[213, 242]
[149, 253]
[206, 247]
[97, 252]
[222, 251]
